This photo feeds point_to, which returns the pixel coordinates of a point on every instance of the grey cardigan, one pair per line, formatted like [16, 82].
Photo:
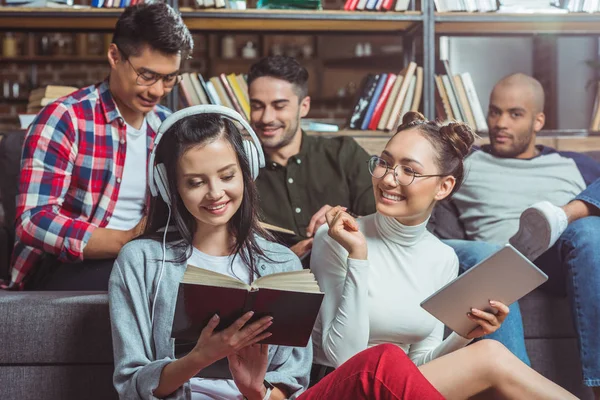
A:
[142, 348]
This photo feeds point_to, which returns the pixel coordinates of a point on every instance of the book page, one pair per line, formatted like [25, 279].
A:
[299, 281]
[201, 276]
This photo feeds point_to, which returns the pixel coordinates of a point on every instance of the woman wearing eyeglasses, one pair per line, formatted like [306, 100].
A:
[375, 271]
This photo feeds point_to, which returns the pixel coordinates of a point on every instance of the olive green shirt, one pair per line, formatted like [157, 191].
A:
[330, 171]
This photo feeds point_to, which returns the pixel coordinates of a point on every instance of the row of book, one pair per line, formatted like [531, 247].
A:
[41, 97]
[383, 98]
[228, 90]
[519, 6]
[588, 6]
[456, 100]
[228, 4]
[466, 5]
[115, 3]
[376, 5]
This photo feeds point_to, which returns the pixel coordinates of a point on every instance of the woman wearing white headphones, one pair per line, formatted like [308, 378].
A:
[204, 175]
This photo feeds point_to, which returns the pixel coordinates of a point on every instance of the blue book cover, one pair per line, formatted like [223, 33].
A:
[373, 102]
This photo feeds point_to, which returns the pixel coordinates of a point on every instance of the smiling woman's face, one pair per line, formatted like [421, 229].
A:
[210, 183]
[412, 204]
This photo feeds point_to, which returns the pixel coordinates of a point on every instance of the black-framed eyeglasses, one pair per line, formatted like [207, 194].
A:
[147, 78]
[403, 174]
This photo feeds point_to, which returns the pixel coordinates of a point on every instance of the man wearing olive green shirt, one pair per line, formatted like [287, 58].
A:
[304, 175]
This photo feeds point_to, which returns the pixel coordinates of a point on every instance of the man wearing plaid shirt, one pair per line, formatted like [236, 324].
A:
[83, 170]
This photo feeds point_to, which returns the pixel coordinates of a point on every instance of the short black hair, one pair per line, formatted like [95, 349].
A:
[281, 67]
[156, 25]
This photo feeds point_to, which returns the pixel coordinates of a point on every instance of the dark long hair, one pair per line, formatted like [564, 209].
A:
[199, 130]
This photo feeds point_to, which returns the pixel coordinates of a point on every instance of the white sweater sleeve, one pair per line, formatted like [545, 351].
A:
[344, 314]
[434, 345]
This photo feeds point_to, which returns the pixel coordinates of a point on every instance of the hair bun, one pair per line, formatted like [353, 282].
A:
[460, 137]
[413, 117]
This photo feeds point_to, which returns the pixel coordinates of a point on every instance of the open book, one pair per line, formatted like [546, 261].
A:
[292, 298]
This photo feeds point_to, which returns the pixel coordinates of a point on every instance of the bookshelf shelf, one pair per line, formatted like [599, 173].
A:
[18, 18]
[58, 19]
[299, 20]
[364, 62]
[51, 59]
[13, 100]
[516, 24]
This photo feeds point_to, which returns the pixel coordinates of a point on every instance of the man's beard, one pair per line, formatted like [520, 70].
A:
[520, 146]
[286, 138]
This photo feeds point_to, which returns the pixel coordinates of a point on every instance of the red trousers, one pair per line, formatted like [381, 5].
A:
[381, 372]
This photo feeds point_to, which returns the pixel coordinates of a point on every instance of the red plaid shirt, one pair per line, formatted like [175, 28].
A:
[73, 155]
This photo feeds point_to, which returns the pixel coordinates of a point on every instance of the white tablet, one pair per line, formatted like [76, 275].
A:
[505, 276]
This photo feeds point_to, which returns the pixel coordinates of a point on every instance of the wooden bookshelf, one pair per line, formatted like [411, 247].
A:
[51, 59]
[368, 62]
[299, 20]
[461, 23]
[58, 19]
[66, 19]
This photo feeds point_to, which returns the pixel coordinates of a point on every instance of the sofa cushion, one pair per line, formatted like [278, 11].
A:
[52, 382]
[594, 154]
[558, 360]
[444, 222]
[34, 325]
[546, 316]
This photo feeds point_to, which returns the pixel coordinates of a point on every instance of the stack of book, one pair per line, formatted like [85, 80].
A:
[581, 6]
[227, 90]
[229, 4]
[376, 5]
[466, 5]
[39, 3]
[289, 5]
[457, 100]
[518, 6]
[384, 98]
[41, 97]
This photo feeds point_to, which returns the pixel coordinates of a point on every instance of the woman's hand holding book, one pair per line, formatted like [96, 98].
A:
[213, 346]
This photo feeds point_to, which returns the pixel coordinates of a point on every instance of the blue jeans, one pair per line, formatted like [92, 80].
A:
[575, 260]
[510, 333]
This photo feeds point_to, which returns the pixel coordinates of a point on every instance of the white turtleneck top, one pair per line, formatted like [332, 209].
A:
[375, 301]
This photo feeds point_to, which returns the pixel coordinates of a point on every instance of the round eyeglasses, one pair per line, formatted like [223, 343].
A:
[403, 174]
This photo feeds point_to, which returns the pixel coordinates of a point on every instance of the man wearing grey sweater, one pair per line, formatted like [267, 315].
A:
[561, 230]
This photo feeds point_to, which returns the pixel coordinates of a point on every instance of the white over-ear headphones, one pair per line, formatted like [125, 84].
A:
[157, 175]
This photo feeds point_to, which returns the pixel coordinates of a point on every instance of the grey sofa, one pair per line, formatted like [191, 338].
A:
[57, 346]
